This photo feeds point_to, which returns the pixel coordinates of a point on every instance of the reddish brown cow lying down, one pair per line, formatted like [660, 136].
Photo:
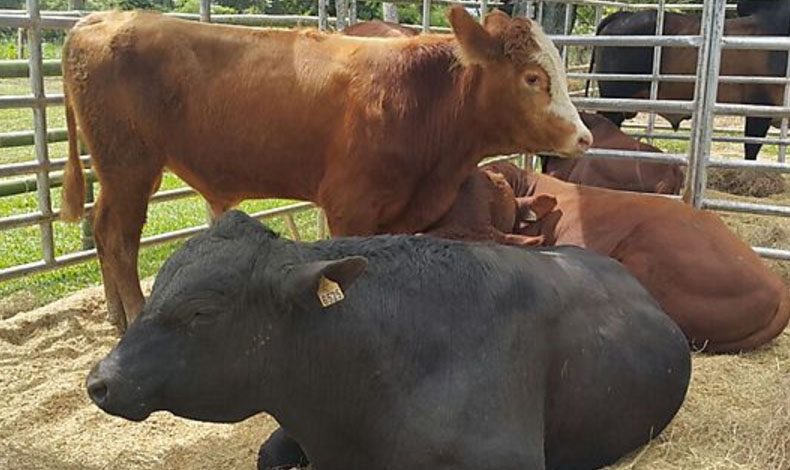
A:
[637, 176]
[713, 285]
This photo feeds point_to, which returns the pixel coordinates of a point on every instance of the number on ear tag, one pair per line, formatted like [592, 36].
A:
[329, 292]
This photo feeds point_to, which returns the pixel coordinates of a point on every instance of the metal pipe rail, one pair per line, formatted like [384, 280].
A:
[61, 21]
[629, 77]
[29, 101]
[26, 168]
[626, 41]
[85, 255]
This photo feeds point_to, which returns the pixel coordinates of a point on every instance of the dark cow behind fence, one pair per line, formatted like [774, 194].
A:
[711, 283]
[682, 60]
[750, 7]
[403, 352]
[628, 175]
[363, 127]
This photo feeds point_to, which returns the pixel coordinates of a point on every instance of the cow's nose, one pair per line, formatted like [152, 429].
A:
[585, 141]
[97, 390]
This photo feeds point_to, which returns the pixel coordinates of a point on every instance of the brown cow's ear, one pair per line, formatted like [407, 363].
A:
[322, 282]
[477, 46]
[534, 208]
[496, 23]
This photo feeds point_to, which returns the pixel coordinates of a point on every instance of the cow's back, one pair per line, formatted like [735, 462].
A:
[184, 90]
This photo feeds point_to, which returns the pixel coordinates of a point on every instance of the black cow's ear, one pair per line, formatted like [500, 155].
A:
[324, 282]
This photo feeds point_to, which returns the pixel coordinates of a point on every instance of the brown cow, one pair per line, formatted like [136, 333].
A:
[378, 28]
[712, 284]
[627, 175]
[361, 126]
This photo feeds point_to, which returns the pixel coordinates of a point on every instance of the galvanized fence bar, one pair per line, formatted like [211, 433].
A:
[322, 15]
[352, 12]
[205, 11]
[705, 92]
[426, 16]
[651, 119]
[40, 131]
[341, 13]
[786, 104]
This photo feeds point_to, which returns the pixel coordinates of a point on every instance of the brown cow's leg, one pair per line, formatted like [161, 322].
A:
[218, 208]
[118, 222]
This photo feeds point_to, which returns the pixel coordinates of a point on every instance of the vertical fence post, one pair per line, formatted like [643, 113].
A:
[651, 119]
[389, 12]
[20, 43]
[708, 61]
[40, 129]
[86, 226]
[483, 9]
[566, 30]
[352, 12]
[521, 8]
[426, 16]
[205, 11]
[341, 12]
[322, 21]
[785, 103]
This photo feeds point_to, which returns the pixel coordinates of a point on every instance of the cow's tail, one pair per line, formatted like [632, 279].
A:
[73, 195]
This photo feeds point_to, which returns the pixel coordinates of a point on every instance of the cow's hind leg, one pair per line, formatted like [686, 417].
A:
[755, 127]
[119, 216]
[280, 451]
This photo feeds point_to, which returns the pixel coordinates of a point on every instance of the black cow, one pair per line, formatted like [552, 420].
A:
[428, 353]
[750, 7]
[763, 21]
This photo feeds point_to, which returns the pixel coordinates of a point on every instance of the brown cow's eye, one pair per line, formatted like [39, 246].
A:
[532, 80]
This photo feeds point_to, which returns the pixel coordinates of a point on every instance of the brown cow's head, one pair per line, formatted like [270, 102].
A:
[523, 92]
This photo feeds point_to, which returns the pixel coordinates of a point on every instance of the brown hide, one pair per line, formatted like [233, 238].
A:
[712, 284]
[380, 132]
[485, 209]
[626, 175]
[378, 28]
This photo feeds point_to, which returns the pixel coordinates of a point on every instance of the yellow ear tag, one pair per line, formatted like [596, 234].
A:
[329, 292]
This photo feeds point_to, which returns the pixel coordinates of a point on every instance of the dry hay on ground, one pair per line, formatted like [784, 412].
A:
[735, 417]
[745, 182]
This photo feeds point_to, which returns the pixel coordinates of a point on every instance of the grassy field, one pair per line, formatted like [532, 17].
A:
[22, 245]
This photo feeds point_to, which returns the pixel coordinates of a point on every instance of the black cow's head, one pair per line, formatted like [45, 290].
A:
[207, 345]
